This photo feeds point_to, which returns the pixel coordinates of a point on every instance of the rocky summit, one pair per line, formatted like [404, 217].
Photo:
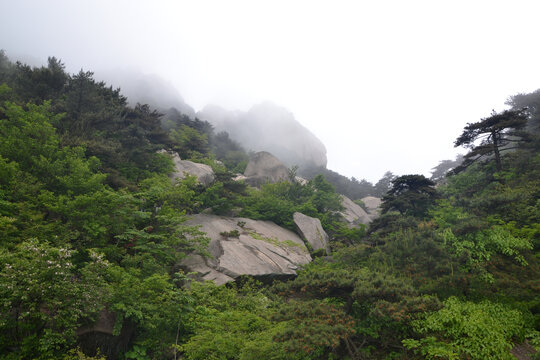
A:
[268, 127]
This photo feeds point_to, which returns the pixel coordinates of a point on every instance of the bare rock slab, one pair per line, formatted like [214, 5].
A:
[310, 229]
[353, 213]
[373, 205]
[265, 167]
[204, 173]
[241, 246]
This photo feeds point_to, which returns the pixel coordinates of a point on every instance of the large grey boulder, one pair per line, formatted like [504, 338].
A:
[353, 213]
[241, 246]
[310, 229]
[265, 167]
[372, 205]
[204, 173]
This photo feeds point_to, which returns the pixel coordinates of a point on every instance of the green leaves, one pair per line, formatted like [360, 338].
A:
[154, 304]
[494, 133]
[278, 202]
[225, 320]
[465, 329]
[191, 142]
[57, 193]
[44, 297]
[410, 195]
[243, 323]
[28, 137]
[477, 241]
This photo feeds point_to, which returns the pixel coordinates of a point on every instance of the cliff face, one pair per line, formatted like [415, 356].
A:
[268, 127]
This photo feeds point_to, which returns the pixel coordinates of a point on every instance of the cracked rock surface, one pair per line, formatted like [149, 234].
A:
[353, 214]
[241, 246]
[373, 206]
[312, 231]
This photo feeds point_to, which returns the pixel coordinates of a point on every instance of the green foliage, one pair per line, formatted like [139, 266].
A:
[232, 233]
[531, 104]
[278, 202]
[229, 152]
[243, 323]
[384, 184]
[77, 354]
[481, 245]
[470, 330]
[352, 188]
[410, 195]
[137, 353]
[44, 296]
[91, 222]
[224, 320]
[52, 289]
[439, 172]
[29, 138]
[312, 329]
[190, 142]
[224, 195]
[495, 134]
[380, 304]
[477, 241]
[94, 116]
[154, 304]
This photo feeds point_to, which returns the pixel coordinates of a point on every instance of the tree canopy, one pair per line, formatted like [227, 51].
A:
[410, 195]
[495, 133]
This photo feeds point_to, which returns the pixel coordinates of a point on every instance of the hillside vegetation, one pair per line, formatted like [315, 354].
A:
[91, 226]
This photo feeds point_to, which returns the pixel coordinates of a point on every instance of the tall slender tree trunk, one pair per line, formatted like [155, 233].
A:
[495, 138]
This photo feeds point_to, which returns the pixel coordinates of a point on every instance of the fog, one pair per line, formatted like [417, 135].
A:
[385, 85]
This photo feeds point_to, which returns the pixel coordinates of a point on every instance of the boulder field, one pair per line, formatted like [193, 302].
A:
[241, 246]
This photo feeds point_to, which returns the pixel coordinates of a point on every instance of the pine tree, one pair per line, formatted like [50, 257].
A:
[496, 133]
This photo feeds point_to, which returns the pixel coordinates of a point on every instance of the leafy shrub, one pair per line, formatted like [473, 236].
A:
[463, 329]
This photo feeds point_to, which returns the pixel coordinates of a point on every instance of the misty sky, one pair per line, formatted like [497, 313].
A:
[386, 85]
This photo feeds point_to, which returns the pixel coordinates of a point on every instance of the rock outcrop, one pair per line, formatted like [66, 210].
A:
[373, 205]
[204, 173]
[241, 246]
[310, 229]
[353, 213]
[268, 127]
[265, 167]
